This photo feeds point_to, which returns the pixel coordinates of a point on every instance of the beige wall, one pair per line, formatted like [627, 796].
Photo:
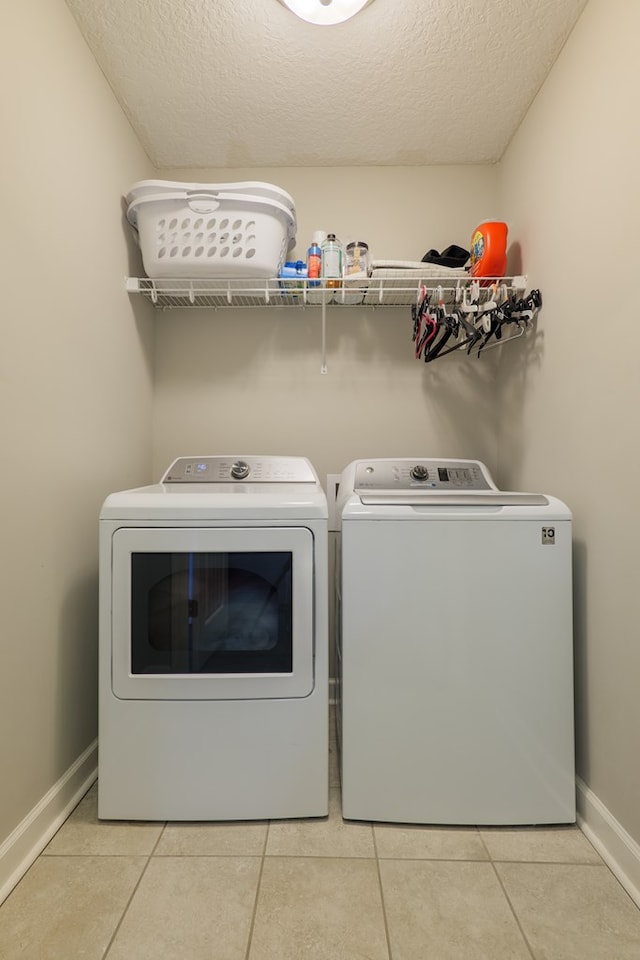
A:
[570, 412]
[249, 381]
[75, 386]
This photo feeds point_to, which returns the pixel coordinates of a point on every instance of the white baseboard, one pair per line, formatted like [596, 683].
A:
[31, 836]
[617, 848]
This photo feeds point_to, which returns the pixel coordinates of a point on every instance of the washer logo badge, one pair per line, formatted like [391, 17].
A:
[548, 535]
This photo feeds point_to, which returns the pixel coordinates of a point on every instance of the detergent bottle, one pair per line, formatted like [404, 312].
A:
[489, 249]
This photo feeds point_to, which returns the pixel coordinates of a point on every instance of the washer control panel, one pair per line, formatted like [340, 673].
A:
[404, 476]
[234, 469]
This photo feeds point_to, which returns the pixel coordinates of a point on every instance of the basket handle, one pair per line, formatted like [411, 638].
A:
[203, 202]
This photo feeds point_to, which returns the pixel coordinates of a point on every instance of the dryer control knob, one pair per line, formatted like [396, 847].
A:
[240, 470]
[419, 473]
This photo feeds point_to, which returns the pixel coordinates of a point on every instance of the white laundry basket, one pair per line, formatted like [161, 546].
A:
[191, 230]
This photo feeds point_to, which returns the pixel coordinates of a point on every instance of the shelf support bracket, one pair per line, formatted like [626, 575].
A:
[323, 366]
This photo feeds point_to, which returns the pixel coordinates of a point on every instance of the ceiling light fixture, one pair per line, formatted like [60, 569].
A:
[325, 12]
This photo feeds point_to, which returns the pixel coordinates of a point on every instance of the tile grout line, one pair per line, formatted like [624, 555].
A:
[382, 903]
[257, 896]
[549, 863]
[333, 856]
[133, 893]
[512, 908]
[482, 841]
[506, 895]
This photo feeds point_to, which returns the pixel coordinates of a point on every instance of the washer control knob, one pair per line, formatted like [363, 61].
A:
[240, 470]
[419, 472]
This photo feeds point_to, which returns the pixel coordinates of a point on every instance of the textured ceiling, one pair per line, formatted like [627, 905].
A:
[245, 83]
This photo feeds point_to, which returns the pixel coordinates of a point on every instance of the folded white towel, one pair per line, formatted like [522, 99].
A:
[413, 268]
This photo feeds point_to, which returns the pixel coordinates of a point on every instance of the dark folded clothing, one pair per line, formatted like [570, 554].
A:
[453, 256]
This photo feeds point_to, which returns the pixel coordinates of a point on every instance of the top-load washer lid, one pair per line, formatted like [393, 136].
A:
[238, 468]
[433, 482]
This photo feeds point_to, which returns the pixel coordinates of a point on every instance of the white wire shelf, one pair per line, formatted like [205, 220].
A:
[395, 291]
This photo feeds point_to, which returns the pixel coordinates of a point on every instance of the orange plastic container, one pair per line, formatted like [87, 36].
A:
[489, 249]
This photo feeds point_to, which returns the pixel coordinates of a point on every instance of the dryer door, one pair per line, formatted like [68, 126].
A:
[212, 613]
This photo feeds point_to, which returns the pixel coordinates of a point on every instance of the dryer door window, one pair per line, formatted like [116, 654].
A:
[212, 613]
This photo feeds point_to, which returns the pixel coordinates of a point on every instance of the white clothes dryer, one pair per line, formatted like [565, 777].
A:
[455, 647]
[213, 666]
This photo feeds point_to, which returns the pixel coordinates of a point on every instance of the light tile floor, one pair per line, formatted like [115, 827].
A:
[315, 890]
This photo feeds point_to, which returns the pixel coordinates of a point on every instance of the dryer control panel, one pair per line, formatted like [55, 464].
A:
[426, 475]
[238, 468]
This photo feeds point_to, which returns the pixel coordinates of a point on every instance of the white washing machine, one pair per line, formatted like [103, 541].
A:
[455, 647]
[213, 669]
